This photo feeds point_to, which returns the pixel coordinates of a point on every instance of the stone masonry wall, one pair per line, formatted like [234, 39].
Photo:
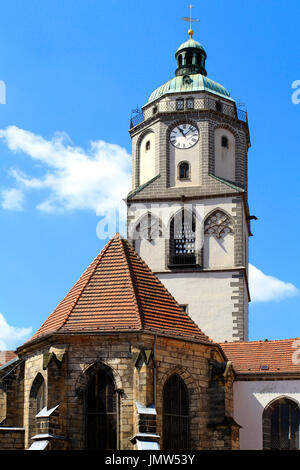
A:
[133, 379]
[11, 439]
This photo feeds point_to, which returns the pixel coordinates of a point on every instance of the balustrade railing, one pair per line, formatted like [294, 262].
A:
[184, 259]
[186, 106]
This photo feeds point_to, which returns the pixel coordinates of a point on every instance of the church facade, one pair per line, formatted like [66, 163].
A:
[149, 349]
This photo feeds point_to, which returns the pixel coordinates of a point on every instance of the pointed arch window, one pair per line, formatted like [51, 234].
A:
[101, 411]
[182, 239]
[281, 421]
[37, 401]
[176, 426]
[218, 223]
[149, 228]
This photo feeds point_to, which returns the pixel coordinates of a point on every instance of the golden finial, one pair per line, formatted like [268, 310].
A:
[190, 20]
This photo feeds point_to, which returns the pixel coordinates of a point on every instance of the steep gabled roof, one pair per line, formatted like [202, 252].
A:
[118, 292]
[264, 357]
[6, 356]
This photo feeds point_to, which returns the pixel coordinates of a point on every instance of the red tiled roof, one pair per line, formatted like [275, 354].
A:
[117, 292]
[278, 356]
[6, 356]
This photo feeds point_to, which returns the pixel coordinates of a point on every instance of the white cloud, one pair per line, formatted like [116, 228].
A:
[97, 179]
[11, 336]
[264, 288]
[12, 199]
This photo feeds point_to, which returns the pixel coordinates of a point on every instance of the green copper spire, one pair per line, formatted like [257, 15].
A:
[190, 75]
[191, 58]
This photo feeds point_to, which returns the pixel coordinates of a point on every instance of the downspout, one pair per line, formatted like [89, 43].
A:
[154, 372]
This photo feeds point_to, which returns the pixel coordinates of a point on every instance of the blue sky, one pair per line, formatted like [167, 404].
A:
[74, 70]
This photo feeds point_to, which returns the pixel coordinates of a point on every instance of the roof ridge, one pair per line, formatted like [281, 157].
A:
[100, 256]
[134, 292]
[258, 341]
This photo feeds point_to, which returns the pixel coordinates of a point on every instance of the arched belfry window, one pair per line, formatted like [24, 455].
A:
[281, 420]
[184, 171]
[188, 58]
[182, 239]
[176, 432]
[101, 411]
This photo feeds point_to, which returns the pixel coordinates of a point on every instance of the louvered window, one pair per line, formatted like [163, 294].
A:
[182, 239]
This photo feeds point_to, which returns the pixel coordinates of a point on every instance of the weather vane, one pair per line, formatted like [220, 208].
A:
[190, 20]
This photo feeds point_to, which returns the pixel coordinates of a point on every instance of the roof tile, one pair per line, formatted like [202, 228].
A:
[119, 291]
[280, 356]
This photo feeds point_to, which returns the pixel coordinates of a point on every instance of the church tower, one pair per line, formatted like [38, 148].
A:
[188, 214]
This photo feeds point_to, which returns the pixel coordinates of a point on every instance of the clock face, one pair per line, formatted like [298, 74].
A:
[184, 136]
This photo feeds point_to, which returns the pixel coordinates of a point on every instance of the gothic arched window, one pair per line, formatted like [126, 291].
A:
[281, 420]
[101, 411]
[176, 432]
[218, 223]
[149, 228]
[183, 171]
[37, 401]
[182, 239]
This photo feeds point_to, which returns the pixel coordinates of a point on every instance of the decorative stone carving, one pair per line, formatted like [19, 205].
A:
[149, 228]
[218, 224]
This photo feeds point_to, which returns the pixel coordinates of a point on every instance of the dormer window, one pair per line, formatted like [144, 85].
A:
[190, 103]
[179, 104]
[148, 145]
[224, 142]
[184, 171]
